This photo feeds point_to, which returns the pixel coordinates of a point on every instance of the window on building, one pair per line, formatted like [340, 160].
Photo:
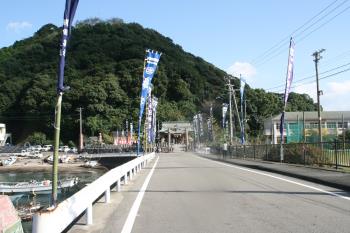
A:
[313, 125]
[340, 125]
[331, 125]
[278, 126]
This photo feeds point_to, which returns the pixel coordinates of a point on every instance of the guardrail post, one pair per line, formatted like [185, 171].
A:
[126, 178]
[115, 187]
[118, 185]
[88, 213]
[108, 195]
[131, 173]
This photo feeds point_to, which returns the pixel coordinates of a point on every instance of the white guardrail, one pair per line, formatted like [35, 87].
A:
[69, 210]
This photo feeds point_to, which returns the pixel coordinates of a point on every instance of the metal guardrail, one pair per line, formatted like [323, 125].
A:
[68, 211]
[326, 154]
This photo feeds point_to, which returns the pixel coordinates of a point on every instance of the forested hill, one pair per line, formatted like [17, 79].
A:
[104, 70]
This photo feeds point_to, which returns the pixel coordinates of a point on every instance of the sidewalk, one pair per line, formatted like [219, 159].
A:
[336, 179]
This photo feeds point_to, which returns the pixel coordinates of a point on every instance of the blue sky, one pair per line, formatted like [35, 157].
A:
[232, 35]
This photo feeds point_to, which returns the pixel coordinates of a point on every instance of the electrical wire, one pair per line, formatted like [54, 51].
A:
[309, 77]
[322, 78]
[284, 40]
[281, 48]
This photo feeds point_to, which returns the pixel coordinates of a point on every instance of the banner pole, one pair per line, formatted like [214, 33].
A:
[56, 145]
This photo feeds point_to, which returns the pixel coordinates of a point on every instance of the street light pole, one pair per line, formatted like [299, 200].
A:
[318, 57]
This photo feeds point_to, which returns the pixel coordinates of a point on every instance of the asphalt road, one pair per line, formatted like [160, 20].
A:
[187, 193]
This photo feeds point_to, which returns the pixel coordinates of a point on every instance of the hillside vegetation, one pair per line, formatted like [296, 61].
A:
[104, 70]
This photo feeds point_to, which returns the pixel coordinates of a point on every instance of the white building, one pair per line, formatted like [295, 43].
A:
[294, 130]
[3, 135]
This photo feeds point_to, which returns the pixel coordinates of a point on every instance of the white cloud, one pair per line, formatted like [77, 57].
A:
[339, 88]
[242, 68]
[17, 27]
[336, 95]
[309, 89]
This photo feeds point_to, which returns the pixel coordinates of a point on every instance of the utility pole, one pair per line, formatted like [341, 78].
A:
[230, 97]
[236, 108]
[81, 140]
[318, 57]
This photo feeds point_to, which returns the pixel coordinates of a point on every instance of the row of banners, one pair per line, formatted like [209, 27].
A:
[198, 126]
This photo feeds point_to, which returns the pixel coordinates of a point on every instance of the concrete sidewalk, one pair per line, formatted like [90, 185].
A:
[336, 179]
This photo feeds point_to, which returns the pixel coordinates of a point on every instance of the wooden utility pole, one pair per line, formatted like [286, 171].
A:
[230, 97]
[318, 57]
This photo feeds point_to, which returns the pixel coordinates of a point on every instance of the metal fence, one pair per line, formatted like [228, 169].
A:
[332, 154]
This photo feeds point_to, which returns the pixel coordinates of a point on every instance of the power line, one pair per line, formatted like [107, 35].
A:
[311, 76]
[269, 55]
[322, 25]
[325, 77]
[287, 37]
[331, 11]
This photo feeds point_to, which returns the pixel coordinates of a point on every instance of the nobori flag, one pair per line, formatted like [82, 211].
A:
[224, 111]
[151, 62]
[243, 82]
[69, 12]
[290, 71]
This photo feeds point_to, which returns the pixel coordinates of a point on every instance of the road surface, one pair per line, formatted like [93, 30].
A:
[187, 193]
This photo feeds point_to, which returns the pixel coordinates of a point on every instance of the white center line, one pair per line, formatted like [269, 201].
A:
[129, 223]
[280, 178]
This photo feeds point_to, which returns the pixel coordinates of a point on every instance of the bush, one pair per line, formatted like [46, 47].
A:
[37, 138]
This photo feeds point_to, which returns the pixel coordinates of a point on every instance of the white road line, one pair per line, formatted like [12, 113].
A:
[135, 207]
[279, 178]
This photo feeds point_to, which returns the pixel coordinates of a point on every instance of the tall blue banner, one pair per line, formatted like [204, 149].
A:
[69, 12]
[243, 82]
[151, 62]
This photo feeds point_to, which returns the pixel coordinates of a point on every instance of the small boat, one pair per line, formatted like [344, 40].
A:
[26, 212]
[90, 164]
[9, 161]
[34, 186]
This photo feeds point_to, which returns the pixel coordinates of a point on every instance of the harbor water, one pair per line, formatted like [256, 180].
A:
[85, 176]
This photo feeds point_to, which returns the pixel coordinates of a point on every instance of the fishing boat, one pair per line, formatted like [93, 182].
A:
[35, 187]
[9, 161]
[90, 164]
[26, 212]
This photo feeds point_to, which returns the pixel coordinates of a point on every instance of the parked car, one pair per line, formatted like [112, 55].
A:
[63, 149]
[24, 153]
[73, 150]
[47, 148]
[36, 154]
